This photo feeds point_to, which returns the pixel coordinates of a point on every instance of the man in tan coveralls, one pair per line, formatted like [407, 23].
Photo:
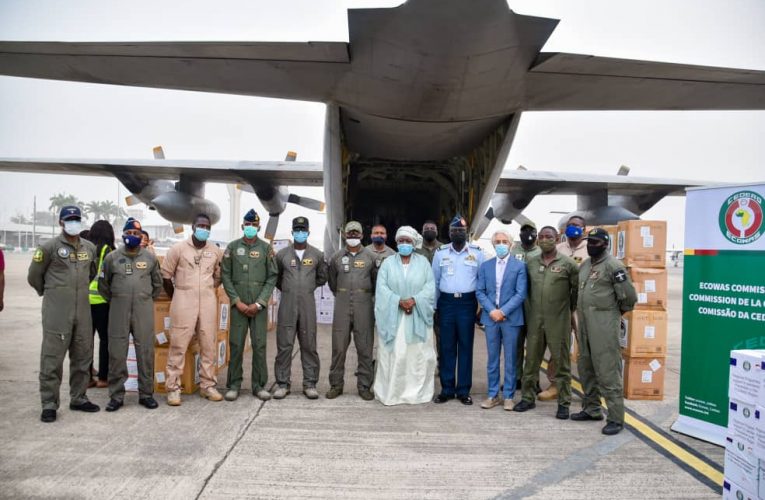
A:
[61, 271]
[191, 273]
[301, 270]
[352, 274]
[129, 280]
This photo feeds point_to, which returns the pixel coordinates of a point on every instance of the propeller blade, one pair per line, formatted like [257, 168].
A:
[159, 153]
[623, 170]
[273, 223]
[132, 200]
[291, 156]
[522, 219]
[177, 228]
[305, 202]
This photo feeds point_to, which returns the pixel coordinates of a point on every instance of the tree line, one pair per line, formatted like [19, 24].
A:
[94, 210]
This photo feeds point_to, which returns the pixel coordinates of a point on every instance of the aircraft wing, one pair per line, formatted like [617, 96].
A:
[529, 183]
[305, 71]
[567, 82]
[292, 173]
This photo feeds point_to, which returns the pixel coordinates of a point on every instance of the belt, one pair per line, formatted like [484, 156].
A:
[459, 295]
[363, 290]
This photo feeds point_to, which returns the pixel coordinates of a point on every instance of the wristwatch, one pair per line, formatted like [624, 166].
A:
[257, 304]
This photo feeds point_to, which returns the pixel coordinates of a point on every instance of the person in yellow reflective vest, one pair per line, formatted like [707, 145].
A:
[102, 236]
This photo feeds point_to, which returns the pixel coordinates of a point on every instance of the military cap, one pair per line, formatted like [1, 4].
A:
[131, 223]
[529, 224]
[300, 223]
[353, 226]
[458, 222]
[70, 212]
[598, 233]
[252, 216]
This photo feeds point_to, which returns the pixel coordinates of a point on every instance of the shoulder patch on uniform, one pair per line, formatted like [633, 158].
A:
[620, 275]
[474, 246]
[38, 255]
[444, 246]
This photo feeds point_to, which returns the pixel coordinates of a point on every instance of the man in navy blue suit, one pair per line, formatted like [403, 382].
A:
[501, 290]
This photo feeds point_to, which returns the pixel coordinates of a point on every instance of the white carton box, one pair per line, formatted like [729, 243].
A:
[742, 422]
[741, 466]
[746, 381]
[732, 491]
[759, 432]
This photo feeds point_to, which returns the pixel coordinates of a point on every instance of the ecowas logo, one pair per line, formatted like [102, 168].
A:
[741, 217]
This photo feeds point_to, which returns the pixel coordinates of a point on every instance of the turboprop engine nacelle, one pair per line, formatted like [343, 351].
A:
[182, 208]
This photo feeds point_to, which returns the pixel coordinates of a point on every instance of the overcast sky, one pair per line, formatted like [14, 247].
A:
[41, 118]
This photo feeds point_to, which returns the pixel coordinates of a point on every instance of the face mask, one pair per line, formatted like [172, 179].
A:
[595, 250]
[405, 249]
[131, 241]
[573, 231]
[429, 235]
[300, 236]
[378, 240]
[72, 227]
[459, 238]
[353, 242]
[201, 234]
[547, 245]
[250, 232]
[528, 236]
[502, 250]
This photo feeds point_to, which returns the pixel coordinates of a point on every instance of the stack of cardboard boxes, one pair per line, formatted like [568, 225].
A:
[641, 246]
[745, 443]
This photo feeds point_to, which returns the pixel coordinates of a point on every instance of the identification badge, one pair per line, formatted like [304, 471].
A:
[450, 271]
[206, 254]
[541, 268]
[293, 263]
[346, 268]
[63, 252]
[240, 251]
[307, 262]
[83, 256]
[359, 264]
[128, 268]
[254, 254]
[345, 259]
[594, 275]
[141, 265]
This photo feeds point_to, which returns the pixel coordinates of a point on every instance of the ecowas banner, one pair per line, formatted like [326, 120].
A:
[723, 300]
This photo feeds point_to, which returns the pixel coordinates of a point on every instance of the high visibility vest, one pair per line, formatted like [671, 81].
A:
[94, 297]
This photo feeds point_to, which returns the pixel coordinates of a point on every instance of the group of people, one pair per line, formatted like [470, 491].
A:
[422, 300]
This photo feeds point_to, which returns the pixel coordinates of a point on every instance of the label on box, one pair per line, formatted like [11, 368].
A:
[167, 322]
[161, 338]
[649, 332]
[643, 298]
[645, 231]
[655, 365]
[223, 317]
[732, 491]
[646, 376]
[650, 286]
[742, 423]
[741, 465]
[648, 241]
[221, 353]
[620, 244]
[197, 367]
[160, 377]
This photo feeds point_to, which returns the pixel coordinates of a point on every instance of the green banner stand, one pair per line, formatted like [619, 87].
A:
[723, 300]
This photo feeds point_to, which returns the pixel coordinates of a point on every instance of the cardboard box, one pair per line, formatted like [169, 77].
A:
[613, 236]
[746, 379]
[162, 323]
[223, 351]
[190, 377]
[651, 287]
[644, 334]
[741, 466]
[642, 243]
[743, 420]
[732, 491]
[644, 378]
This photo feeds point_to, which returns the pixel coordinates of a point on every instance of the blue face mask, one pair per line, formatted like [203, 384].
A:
[573, 231]
[405, 249]
[131, 241]
[201, 234]
[502, 250]
[378, 240]
[300, 236]
[250, 232]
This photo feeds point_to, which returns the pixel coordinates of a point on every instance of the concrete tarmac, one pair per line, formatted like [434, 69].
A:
[296, 448]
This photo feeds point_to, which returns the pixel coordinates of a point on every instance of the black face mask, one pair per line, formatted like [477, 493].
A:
[459, 238]
[528, 236]
[429, 236]
[595, 250]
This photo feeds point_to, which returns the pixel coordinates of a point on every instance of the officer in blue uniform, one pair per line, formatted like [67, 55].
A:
[455, 267]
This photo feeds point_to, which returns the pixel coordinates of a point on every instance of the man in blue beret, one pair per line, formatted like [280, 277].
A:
[455, 267]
